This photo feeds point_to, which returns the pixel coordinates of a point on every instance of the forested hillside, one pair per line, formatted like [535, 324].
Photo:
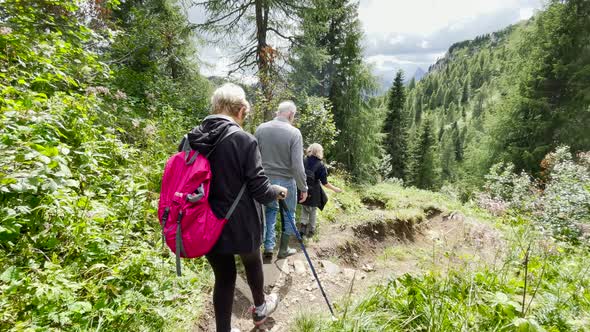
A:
[510, 96]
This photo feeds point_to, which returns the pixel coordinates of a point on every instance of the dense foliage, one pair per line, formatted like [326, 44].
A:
[79, 168]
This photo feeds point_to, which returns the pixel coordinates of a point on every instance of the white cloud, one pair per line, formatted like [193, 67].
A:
[397, 40]
[526, 13]
[425, 17]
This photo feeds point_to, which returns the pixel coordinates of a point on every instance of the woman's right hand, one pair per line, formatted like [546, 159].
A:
[283, 192]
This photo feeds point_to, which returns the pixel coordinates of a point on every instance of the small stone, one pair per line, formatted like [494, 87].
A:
[348, 273]
[457, 216]
[285, 268]
[368, 268]
[312, 287]
[299, 267]
[312, 297]
[331, 268]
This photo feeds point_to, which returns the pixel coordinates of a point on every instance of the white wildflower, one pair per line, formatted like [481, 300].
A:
[5, 30]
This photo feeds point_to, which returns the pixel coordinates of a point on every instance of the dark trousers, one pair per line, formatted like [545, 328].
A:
[224, 268]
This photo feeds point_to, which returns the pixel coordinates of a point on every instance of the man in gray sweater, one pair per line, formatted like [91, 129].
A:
[281, 147]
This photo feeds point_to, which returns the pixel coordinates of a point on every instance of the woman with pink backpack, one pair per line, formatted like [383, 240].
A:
[236, 168]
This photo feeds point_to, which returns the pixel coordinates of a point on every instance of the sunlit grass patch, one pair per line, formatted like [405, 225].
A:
[400, 253]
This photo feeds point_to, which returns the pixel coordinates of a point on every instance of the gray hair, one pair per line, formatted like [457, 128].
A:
[286, 107]
[229, 98]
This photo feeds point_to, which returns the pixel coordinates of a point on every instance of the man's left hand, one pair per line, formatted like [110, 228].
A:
[302, 197]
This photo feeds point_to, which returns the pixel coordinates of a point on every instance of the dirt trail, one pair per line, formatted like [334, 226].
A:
[369, 253]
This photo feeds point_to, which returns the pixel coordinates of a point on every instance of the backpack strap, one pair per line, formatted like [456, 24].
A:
[235, 203]
[186, 147]
[179, 246]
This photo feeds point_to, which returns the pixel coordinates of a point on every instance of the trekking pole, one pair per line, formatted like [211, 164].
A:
[283, 207]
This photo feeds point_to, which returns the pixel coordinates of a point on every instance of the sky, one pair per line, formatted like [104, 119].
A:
[406, 34]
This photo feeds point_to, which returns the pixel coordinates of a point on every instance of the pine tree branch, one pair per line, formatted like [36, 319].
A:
[289, 38]
[213, 22]
[242, 61]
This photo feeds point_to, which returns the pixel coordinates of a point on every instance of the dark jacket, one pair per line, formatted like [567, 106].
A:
[234, 161]
[317, 174]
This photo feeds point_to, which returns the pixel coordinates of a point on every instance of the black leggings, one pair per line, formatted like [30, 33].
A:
[224, 268]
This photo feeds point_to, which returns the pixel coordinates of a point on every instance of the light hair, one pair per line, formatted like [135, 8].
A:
[315, 150]
[286, 107]
[228, 98]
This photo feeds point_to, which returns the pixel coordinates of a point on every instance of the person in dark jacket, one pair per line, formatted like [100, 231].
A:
[317, 174]
[235, 160]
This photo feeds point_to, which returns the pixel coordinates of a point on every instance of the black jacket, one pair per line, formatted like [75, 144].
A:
[317, 174]
[234, 161]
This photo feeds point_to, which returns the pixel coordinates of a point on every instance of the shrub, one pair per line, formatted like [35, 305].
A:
[516, 190]
[566, 199]
[561, 204]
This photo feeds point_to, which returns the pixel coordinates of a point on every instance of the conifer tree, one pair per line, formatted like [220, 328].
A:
[255, 23]
[420, 101]
[328, 62]
[465, 92]
[457, 142]
[412, 84]
[551, 104]
[394, 127]
[420, 164]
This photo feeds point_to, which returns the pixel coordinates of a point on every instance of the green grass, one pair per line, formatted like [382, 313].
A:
[481, 297]
[356, 204]
[399, 253]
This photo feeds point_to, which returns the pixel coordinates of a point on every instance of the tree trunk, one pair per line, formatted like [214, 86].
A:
[263, 55]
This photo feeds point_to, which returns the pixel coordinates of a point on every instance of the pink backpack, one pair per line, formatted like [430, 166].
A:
[189, 227]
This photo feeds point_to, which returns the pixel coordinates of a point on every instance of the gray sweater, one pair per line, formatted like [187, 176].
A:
[281, 147]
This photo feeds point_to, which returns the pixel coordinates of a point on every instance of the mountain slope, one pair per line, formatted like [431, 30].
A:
[513, 95]
[419, 74]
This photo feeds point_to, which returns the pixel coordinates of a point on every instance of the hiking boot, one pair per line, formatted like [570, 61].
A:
[284, 250]
[267, 255]
[260, 315]
[303, 230]
[310, 233]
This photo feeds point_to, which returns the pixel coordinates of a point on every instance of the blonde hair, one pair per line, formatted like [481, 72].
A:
[316, 150]
[229, 98]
